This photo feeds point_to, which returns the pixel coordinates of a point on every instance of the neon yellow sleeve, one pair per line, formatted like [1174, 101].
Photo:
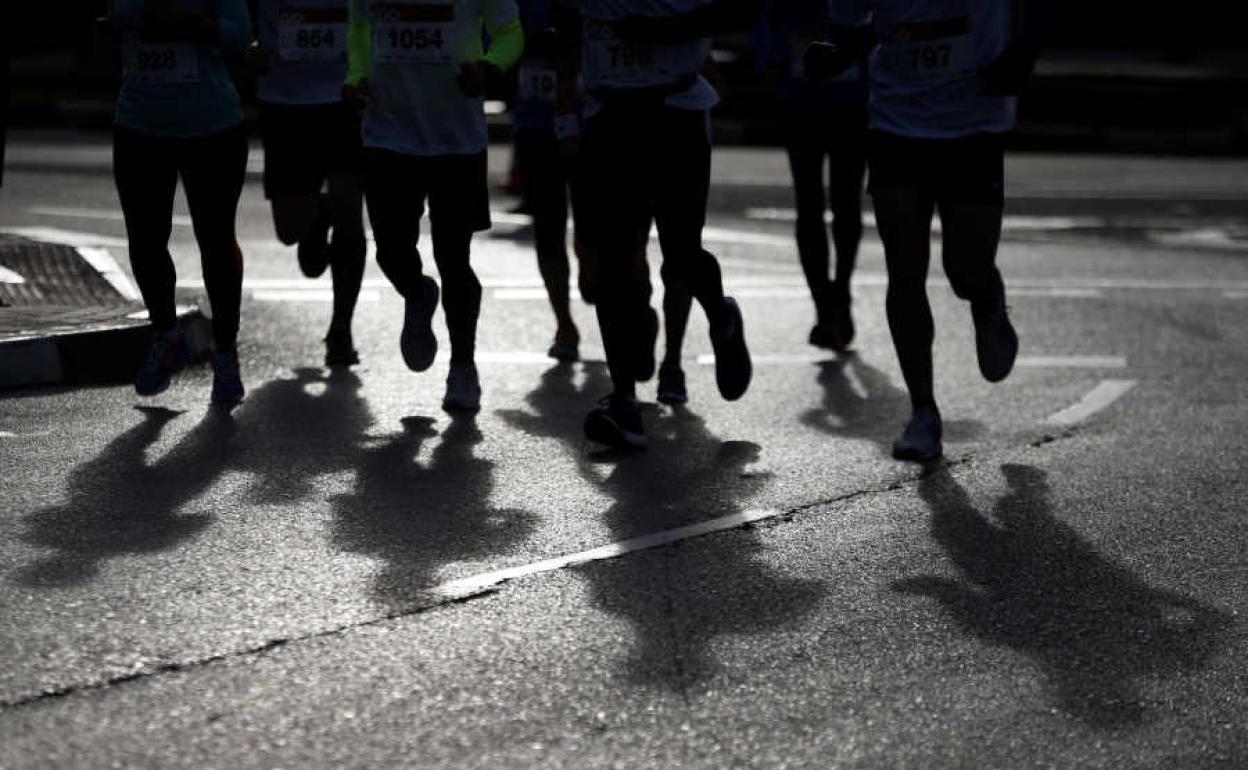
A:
[359, 43]
[506, 45]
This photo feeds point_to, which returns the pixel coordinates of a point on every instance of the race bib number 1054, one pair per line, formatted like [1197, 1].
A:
[413, 33]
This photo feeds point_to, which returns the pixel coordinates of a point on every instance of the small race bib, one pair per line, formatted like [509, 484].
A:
[305, 34]
[413, 33]
[162, 63]
[538, 84]
[616, 62]
[931, 50]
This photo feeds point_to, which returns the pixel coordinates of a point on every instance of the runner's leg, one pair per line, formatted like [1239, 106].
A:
[847, 155]
[545, 191]
[395, 188]
[213, 170]
[805, 148]
[146, 174]
[348, 246]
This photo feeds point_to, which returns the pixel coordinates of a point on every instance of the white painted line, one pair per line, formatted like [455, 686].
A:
[7, 434]
[1235, 294]
[775, 359]
[1055, 292]
[308, 295]
[67, 237]
[110, 215]
[11, 277]
[1009, 222]
[1104, 394]
[1206, 237]
[107, 267]
[478, 583]
[1071, 362]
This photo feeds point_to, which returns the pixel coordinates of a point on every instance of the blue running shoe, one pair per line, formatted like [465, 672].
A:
[167, 355]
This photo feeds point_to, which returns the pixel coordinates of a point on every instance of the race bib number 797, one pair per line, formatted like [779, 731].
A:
[930, 50]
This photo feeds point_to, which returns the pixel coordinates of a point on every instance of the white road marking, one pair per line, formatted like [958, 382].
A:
[109, 215]
[11, 277]
[67, 237]
[1207, 237]
[476, 584]
[1104, 394]
[1025, 362]
[315, 294]
[1010, 222]
[1235, 294]
[110, 270]
[1071, 362]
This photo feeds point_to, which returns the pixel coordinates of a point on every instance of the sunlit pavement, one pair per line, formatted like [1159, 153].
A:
[341, 575]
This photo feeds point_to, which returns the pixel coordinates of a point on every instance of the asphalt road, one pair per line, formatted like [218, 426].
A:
[342, 576]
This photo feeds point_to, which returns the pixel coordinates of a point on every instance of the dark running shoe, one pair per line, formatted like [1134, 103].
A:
[463, 389]
[417, 343]
[340, 349]
[313, 248]
[920, 441]
[616, 423]
[227, 383]
[835, 329]
[672, 389]
[733, 369]
[167, 355]
[996, 342]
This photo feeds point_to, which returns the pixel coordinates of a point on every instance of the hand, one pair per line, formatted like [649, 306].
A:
[357, 96]
[258, 60]
[825, 60]
[473, 75]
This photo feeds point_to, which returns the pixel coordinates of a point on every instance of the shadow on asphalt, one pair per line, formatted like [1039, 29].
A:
[679, 600]
[1031, 583]
[861, 402]
[120, 504]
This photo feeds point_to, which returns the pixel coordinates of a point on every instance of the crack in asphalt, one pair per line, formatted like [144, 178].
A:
[441, 600]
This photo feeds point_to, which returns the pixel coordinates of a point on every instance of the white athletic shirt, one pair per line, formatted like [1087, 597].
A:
[925, 69]
[417, 105]
[609, 62]
[308, 39]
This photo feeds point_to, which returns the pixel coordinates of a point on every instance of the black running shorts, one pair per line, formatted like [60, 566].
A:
[969, 169]
[305, 144]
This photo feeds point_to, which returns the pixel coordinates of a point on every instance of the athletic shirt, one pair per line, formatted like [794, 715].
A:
[536, 77]
[417, 106]
[179, 89]
[925, 70]
[308, 39]
[783, 34]
[610, 63]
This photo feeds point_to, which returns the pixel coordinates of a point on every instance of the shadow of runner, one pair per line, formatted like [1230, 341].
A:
[119, 504]
[861, 402]
[680, 599]
[415, 518]
[1033, 584]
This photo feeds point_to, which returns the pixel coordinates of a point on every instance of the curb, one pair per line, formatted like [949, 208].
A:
[80, 335]
[108, 353]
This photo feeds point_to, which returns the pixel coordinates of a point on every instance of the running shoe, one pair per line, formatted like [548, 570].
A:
[340, 349]
[920, 441]
[463, 389]
[733, 369]
[313, 248]
[417, 342]
[672, 385]
[566, 347]
[616, 423]
[227, 383]
[646, 342]
[835, 329]
[996, 342]
[167, 355]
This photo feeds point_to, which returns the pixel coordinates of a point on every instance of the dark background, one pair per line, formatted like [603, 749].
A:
[1116, 76]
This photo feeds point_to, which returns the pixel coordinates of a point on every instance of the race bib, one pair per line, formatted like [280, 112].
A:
[615, 62]
[413, 33]
[538, 84]
[305, 34]
[162, 63]
[930, 50]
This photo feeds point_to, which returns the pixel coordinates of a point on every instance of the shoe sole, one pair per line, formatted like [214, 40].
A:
[457, 406]
[601, 429]
[428, 307]
[564, 355]
[998, 376]
[672, 399]
[914, 456]
[732, 394]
